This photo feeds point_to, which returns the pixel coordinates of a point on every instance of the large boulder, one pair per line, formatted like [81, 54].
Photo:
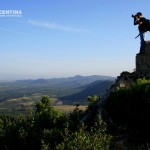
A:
[143, 61]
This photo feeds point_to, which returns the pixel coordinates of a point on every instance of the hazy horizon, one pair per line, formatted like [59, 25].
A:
[50, 77]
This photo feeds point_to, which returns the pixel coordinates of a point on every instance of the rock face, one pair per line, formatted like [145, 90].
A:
[125, 80]
[143, 61]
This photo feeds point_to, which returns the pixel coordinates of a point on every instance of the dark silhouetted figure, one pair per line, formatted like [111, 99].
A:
[141, 22]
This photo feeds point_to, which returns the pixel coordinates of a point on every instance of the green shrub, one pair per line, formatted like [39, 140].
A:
[131, 106]
[85, 140]
[48, 128]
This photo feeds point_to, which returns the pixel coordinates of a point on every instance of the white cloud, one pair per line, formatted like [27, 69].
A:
[55, 26]
[11, 31]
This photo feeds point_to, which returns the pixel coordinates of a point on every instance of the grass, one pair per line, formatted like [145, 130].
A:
[70, 108]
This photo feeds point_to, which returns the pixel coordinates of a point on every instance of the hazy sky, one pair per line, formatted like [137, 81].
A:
[60, 38]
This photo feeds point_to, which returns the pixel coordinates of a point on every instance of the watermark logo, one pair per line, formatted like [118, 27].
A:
[10, 13]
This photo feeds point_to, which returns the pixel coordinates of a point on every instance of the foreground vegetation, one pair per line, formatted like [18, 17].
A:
[125, 127]
[129, 110]
[49, 128]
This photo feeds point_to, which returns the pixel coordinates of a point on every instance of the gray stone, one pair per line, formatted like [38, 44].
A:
[147, 48]
[143, 61]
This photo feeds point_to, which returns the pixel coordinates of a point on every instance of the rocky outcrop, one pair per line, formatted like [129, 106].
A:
[143, 60]
[125, 80]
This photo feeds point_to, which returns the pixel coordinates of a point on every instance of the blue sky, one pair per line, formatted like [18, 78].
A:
[61, 38]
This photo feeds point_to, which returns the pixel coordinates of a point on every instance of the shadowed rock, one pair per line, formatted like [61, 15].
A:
[143, 60]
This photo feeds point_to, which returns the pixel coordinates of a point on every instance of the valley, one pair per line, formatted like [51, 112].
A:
[22, 95]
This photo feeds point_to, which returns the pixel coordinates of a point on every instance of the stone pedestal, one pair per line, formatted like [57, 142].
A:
[143, 61]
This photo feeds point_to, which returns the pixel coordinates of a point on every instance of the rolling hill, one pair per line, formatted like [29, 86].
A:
[95, 88]
[24, 94]
[55, 87]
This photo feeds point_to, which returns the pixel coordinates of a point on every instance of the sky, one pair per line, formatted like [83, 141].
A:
[63, 38]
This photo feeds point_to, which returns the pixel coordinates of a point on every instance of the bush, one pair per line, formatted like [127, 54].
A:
[85, 140]
[131, 106]
[49, 128]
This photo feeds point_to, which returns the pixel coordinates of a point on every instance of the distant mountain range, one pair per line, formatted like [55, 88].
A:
[95, 88]
[71, 81]
[67, 89]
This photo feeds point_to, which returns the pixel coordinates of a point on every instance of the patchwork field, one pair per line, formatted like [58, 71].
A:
[26, 104]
